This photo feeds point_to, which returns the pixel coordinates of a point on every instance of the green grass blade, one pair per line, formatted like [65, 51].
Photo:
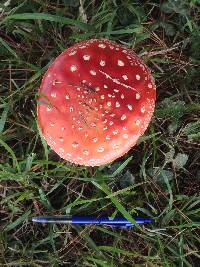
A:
[121, 167]
[3, 118]
[11, 152]
[103, 187]
[19, 220]
[52, 18]
[10, 50]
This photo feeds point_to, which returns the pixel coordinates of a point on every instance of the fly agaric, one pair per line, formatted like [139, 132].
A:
[96, 99]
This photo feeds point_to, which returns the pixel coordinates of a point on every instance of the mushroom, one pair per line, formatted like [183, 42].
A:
[96, 99]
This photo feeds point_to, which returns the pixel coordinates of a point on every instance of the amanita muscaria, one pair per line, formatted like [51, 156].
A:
[96, 99]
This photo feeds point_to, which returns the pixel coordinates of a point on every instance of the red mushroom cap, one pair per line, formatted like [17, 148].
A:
[96, 99]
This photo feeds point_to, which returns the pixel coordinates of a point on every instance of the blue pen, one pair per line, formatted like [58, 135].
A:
[116, 222]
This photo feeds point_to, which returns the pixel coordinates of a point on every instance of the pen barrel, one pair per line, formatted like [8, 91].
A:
[106, 220]
[116, 222]
[85, 220]
[52, 219]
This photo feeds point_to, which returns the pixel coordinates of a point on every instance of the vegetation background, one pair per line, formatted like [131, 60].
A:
[160, 177]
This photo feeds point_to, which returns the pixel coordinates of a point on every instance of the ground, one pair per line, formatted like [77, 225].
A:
[158, 178]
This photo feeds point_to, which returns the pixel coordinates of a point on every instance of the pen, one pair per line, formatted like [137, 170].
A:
[116, 222]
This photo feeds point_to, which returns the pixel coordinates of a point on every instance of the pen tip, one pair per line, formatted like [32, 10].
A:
[38, 219]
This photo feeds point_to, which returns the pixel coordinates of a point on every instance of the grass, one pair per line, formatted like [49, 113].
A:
[160, 177]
